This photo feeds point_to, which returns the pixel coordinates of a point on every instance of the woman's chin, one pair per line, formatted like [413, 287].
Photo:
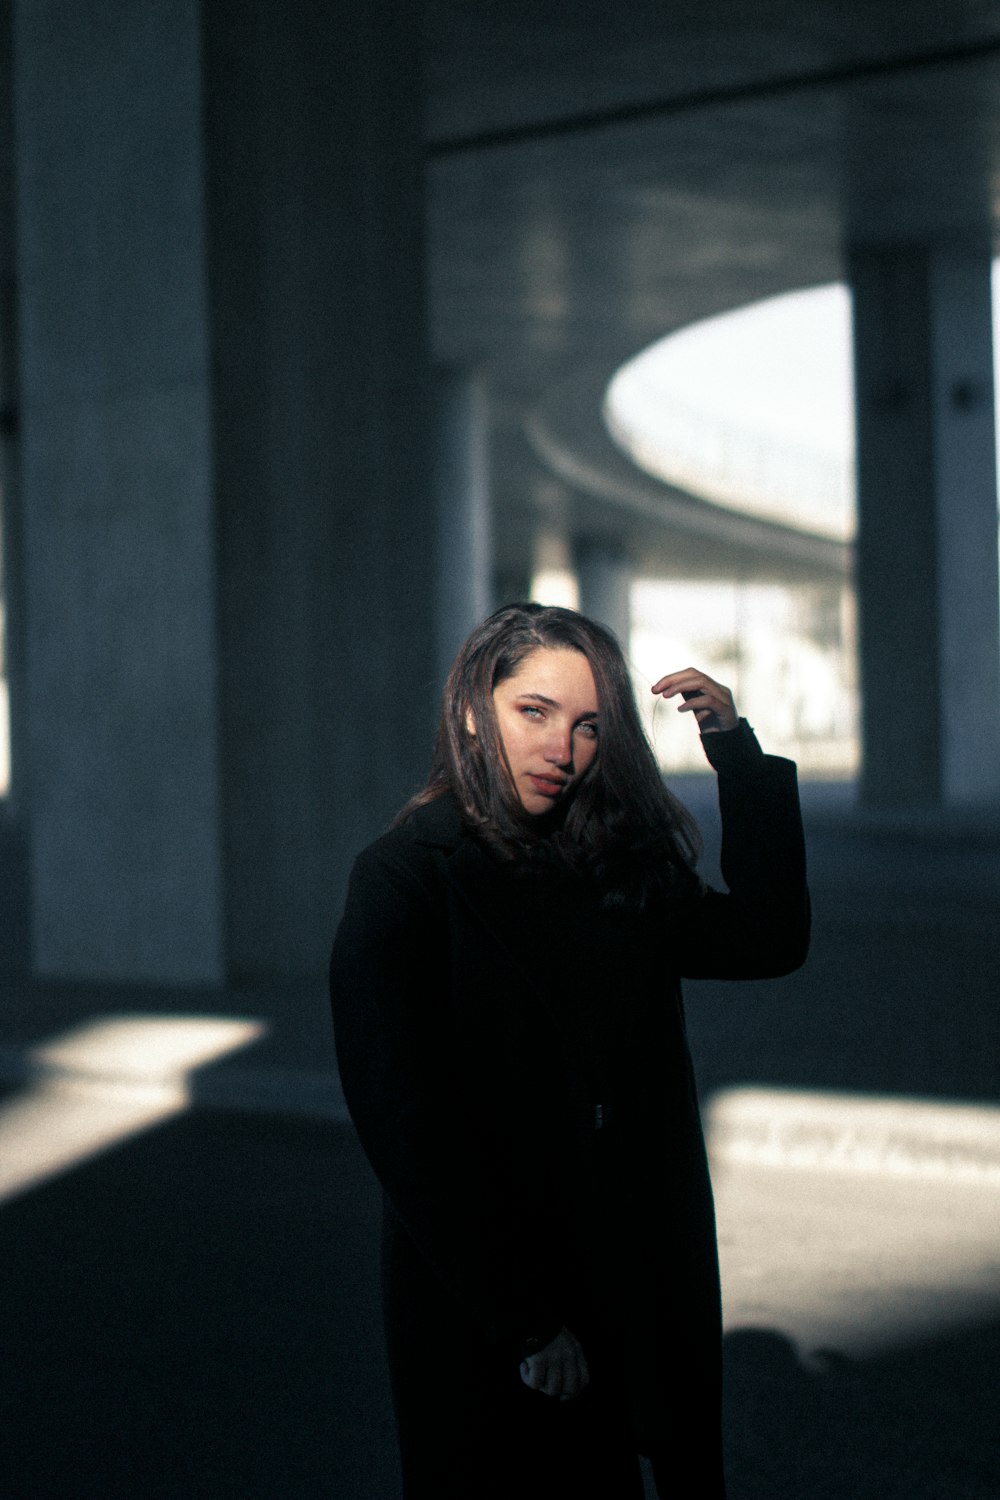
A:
[539, 807]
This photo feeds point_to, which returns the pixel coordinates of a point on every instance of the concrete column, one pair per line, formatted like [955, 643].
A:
[553, 574]
[116, 470]
[513, 584]
[929, 617]
[464, 594]
[321, 412]
[604, 573]
[8, 391]
[13, 862]
[227, 585]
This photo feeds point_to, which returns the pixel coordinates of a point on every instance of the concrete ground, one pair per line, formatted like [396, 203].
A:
[189, 1230]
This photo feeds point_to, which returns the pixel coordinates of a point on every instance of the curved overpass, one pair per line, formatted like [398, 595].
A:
[596, 186]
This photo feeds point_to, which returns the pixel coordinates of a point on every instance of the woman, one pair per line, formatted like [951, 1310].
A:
[511, 1040]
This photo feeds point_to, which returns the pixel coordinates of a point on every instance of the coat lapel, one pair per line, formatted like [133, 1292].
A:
[483, 889]
[487, 893]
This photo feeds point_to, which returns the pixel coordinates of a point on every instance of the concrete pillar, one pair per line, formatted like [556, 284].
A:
[13, 862]
[228, 588]
[512, 583]
[321, 414]
[604, 573]
[553, 575]
[464, 593]
[929, 618]
[8, 379]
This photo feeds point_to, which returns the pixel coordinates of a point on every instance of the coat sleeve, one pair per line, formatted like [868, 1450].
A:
[403, 1086]
[759, 927]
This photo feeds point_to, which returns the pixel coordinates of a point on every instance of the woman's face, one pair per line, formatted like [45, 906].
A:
[547, 715]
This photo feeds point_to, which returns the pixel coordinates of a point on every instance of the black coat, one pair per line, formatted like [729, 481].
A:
[548, 1172]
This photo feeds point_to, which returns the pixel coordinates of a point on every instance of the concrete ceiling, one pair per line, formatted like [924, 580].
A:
[600, 176]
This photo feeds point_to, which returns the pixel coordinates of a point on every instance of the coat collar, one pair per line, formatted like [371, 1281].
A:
[480, 883]
[472, 872]
[438, 824]
[477, 876]
[483, 886]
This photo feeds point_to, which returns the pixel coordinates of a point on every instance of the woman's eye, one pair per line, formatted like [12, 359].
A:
[589, 729]
[531, 711]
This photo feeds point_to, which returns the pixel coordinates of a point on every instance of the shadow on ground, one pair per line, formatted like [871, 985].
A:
[193, 1315]
[916, 1422]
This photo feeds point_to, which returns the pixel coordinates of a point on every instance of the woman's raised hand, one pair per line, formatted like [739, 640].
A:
[710, 702]
[560, 1369]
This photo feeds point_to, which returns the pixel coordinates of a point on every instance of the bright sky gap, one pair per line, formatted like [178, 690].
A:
[754, 409]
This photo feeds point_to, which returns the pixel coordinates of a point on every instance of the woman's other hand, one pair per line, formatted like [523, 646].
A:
[710, 702]
[560, 1369]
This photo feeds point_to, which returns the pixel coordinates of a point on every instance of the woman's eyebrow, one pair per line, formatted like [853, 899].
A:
[590, 713]
[541, 698]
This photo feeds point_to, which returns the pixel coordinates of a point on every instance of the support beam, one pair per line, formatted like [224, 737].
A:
[228, 584]
[553, 575]
[605, 578]
[929, 617]
[464, 594]
[13, 854]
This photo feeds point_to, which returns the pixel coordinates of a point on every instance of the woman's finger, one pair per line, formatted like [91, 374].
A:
[711, 702]
[558, 1370]
[703, 708]
[577, 1379]
[677, 682]
[542, 1372]
[556, 1380]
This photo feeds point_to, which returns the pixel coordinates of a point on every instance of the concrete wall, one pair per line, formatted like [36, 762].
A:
[226, 568]
[116, 479]
[927, 526]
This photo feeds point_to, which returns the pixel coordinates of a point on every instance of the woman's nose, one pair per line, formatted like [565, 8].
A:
[559, 751]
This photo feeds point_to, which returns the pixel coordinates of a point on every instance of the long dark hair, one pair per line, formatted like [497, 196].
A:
[620, 824]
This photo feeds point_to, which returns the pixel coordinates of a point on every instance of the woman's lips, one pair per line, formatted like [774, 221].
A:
[547, 785]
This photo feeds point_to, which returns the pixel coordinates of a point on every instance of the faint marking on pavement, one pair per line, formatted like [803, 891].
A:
[101, 1083]
[314, 1093]
[774, 1127]
[873, 1134]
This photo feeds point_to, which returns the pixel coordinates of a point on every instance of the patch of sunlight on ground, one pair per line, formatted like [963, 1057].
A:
[854, 1222]
[103, 1082]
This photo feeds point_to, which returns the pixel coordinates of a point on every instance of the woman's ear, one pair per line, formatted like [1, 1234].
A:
[470, 723]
